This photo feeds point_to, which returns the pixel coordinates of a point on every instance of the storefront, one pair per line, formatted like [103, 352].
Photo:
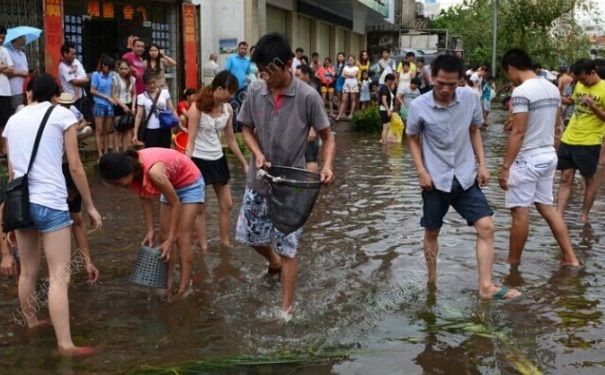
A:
[103, 28]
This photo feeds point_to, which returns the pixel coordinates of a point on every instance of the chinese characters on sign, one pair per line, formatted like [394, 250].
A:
[53, 34]
[94, 8]
[108, 10]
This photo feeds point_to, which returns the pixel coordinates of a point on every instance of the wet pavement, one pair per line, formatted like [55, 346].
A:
[362, 305]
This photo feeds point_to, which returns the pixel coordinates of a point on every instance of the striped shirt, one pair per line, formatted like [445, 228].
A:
[541, 99]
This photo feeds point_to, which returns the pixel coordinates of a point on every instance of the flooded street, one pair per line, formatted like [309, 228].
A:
[362, 305]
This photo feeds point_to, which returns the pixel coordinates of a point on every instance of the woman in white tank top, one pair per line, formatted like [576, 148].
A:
[209, 117]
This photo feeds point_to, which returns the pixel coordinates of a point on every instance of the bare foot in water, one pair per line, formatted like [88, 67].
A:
[77, 351]
[584, 218]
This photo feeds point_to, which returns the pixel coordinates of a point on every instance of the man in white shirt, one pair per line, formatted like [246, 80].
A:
[296, 61]
[477, 79]
[20, 71]
[530, 159]
[72, 75]
[6, 67]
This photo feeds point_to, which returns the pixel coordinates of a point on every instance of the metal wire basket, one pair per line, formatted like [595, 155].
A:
[149, 270]
[292, 195]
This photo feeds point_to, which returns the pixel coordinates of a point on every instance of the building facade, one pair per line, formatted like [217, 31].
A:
[103, 27]
[325, 27]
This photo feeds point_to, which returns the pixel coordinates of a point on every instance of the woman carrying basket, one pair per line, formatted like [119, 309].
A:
[208, 117]
[154, 171]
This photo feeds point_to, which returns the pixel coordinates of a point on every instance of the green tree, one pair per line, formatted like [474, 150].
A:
[546, 29]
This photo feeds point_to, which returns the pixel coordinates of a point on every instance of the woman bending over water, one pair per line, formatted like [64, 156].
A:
[154, 171]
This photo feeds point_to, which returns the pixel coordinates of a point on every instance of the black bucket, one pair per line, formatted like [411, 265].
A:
[292, 195]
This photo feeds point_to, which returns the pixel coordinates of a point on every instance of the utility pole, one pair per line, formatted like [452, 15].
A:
[495, 36]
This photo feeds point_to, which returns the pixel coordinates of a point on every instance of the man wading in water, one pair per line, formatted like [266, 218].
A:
[448, 120]
[277, 116]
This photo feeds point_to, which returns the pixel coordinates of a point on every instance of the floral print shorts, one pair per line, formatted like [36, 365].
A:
[254, 228]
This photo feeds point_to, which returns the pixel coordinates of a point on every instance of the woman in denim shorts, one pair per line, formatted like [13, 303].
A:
[102, 110]
[48, 205]
[154, 171]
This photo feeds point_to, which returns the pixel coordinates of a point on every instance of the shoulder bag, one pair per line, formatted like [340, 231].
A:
[16, 206]
[143, 127]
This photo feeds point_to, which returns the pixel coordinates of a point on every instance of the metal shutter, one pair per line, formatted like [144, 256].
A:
[303, 38]
[355, 45]
[324, 42]
[340, 42]
[276, 20]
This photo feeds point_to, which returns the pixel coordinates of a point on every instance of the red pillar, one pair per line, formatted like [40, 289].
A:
[53, 35]
[190, 47]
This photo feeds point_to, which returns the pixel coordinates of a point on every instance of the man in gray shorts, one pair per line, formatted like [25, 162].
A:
[276, 116]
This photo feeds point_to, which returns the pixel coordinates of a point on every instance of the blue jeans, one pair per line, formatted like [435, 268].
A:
[102, 110]
[193, 193]
[47, 219]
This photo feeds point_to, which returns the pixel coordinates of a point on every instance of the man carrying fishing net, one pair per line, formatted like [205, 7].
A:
[277, 115]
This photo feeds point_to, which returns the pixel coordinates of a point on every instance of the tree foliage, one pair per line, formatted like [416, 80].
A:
[547, 29]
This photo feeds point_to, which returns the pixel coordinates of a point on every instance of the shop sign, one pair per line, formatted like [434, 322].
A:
[380, 6]
[189, 45]
[53, 35]
[128, 12]
[108, 11]
[94, 8]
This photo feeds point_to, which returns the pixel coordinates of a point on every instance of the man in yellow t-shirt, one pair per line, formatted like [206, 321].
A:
[409, 57]
[582, 142]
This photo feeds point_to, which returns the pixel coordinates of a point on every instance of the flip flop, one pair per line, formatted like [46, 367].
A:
[501, 293]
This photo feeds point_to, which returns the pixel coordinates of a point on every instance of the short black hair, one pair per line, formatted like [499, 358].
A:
[410, 54]
[584, 66]
[108, 61]
[448, 63]
[305, 69]
[272, 49]
[420, 59]
[600, 69]
[3, 30]
[44, 87]
[416, 81]
[537, 66]
[242, 43]
[149, 76]
[65, 47]
[138, 40]
[315, 54]
[518, 59]
[389, 77]
[299, 49]
[386, 50]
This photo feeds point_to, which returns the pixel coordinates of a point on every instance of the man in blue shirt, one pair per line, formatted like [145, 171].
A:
[451, 167]
[239, 65]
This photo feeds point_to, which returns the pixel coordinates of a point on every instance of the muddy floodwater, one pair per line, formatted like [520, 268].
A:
[362, 305]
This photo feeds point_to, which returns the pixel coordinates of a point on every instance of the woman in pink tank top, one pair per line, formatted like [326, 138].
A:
[171, 174]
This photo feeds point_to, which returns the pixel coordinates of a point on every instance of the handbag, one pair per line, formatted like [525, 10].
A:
[143, 127]
[126, 122]
[16, 205]
[167, 119]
